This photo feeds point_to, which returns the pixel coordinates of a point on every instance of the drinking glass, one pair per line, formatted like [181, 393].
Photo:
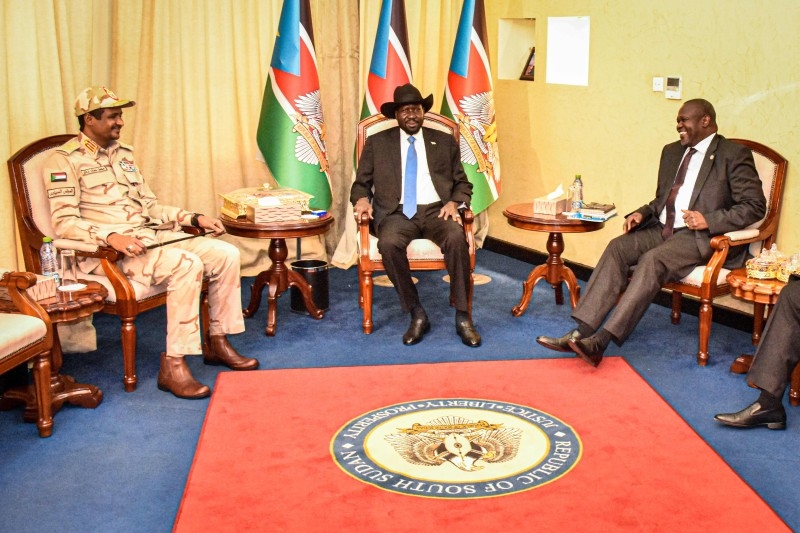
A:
[69, 268]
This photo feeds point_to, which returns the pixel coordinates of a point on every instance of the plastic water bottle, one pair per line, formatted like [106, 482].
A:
[47, 256]
[577, 193]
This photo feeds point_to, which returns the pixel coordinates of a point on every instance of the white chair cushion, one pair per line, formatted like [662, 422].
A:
[767, 169]
[418, 250]
[17, 332]
[695, 277]
[742, 234]
[142, 292]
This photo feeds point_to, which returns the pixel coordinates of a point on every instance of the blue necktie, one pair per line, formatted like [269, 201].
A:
[410, 182]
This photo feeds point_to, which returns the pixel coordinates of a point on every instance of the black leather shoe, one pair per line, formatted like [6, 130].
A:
[468, 334]
[559, 344]
[753, 415]
[588, 349]
[415, 331]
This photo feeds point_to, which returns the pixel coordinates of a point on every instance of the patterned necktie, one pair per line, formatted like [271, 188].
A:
[668, 229]
[410, 182]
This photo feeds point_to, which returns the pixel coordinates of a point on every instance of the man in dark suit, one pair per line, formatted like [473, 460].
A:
[776, 356]
[707, 186]
[411, 183]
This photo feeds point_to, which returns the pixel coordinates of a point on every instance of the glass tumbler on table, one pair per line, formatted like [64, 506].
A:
[69, 271]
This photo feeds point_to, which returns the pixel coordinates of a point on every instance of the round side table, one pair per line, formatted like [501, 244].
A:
[553, 271]
[277, 277]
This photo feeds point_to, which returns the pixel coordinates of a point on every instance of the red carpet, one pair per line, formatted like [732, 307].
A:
[264, 463]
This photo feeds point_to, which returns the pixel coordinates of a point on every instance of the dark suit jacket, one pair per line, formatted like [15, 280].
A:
[379, 177]
[728, 192]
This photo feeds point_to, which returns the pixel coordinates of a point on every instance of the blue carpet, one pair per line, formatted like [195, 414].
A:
[123, 466]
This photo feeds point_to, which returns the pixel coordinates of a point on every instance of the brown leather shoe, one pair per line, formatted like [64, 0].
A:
[175, 377]
[222, 353]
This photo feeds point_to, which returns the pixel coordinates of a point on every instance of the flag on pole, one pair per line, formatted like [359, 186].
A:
[291, 131]
[388, 69]
[469, 100]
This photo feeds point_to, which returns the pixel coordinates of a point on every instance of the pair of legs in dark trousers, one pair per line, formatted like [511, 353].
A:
[656, 261]
[395, 234]
[779, 351]
[775, 359]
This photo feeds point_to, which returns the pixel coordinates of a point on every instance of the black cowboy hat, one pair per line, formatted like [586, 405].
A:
[404, 95]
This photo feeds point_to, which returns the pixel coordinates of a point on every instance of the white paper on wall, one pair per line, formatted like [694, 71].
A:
[568, 50]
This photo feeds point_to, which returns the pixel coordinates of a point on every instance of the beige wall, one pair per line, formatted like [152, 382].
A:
[738, 54]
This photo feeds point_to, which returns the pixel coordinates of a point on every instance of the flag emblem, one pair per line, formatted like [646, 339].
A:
[469, 101]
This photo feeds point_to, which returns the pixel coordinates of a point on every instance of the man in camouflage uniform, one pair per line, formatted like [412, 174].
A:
[98, 195]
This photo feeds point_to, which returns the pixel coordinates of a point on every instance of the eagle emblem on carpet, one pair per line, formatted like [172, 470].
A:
[456, 448]
[465, 444]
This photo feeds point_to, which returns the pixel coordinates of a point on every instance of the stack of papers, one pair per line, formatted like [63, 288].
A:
[589, 218]
[596, 208]
[594, 212]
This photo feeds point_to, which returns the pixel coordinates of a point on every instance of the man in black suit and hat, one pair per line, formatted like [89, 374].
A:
[411, 184]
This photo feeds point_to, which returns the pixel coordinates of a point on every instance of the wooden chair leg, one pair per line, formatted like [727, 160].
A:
[794, 389]
[360, 287]
[677, 297]
[365, 286]
[44, 397]
[705, 332]
[205, 323]
[469, 295]
[128, 335]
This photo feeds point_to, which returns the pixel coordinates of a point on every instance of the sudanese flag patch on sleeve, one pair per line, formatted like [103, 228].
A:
[58, 176]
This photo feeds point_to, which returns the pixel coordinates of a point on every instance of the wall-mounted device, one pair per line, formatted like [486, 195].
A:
[673, 90]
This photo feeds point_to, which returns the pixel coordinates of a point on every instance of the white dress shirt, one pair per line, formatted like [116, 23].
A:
[426, 192]
[685, 192]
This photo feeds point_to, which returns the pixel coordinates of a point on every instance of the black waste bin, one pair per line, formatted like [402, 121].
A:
[315, 272]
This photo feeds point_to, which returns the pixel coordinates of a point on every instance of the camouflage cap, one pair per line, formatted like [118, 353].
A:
[93, 98]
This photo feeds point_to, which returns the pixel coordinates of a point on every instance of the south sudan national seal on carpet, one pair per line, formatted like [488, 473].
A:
[456, 448]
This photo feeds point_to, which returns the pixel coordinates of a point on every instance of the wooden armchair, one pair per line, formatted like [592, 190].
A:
[126, 298]
[708, 281]
[28, 336]
[423, 254]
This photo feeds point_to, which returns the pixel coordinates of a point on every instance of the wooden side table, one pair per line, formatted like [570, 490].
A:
[62, 308]
[277, 277]
[553, 271]
[764, 294]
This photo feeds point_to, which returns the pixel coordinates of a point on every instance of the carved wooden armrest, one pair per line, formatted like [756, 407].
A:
[363, 236]
[468, 218]
[17, 283]
[721, 245]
